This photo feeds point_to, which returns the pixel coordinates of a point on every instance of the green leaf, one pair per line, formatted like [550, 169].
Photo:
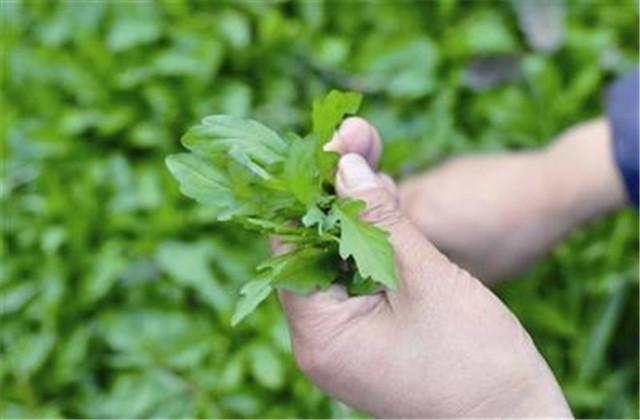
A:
[109, 264]
[367, 244]
[302, 271]
[327, 115]
[301, 172]
[313, 216]
[188, 265]
[30, 351]
[600, 336]
[243, 160]
[266, 367]
[171, 338]
[316, 217]
[480, 33]
[206, 184]
[217, 135]
[251, 295]
[362, 286]
[329, 112]
[403, 68]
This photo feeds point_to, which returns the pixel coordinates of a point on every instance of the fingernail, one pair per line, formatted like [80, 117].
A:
[333, 145]
[350, 130]
[355, 173]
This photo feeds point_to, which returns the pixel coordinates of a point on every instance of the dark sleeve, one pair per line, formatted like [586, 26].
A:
[622, 110]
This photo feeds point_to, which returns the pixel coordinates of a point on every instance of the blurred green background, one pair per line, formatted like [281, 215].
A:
[116, 292]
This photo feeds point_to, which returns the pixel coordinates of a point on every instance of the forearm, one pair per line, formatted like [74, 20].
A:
[581, 171]
[521, 202]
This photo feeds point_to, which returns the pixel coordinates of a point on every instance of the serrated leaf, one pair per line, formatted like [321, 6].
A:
[217, 135]
[301, 172]
[313, 216]
[204, 183]
[251, 295]
[361, 286]
[316, 217]
[367, 244]
[303, 270]
[266, 367]
[270, 227]
[243, 160]
[327, 114]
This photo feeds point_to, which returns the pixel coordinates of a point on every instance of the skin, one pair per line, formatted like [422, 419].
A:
[442, 344]
[521, 203]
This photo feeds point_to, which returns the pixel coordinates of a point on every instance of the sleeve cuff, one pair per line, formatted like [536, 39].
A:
[622, 111]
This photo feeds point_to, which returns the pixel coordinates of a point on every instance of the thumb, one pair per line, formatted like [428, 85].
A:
[417, 260]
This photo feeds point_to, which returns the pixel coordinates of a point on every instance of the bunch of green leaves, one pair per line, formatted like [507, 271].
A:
[246, 173]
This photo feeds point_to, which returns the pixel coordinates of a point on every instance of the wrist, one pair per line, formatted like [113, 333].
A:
[529, 387]
[580, 169]
[539, 396]
[524, 386]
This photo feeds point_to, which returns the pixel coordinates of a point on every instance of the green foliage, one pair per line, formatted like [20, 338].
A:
[367, 244]
[117, 292]
[327, 113]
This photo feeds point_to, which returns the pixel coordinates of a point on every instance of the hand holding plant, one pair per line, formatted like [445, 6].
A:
[440, 345]
[248, 174]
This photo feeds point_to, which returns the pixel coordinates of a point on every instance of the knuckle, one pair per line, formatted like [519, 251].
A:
[382, 209]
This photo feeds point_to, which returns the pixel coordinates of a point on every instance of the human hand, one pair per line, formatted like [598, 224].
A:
[440, 345]
[497, 214]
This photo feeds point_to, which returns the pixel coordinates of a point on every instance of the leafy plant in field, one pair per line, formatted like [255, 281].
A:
[283, 185]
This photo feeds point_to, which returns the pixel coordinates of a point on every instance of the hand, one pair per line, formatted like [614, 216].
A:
[440, 345]
[495, 215]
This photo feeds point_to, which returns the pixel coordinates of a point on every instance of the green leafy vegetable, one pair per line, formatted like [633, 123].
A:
[252, 293]
[248, 174]
[203, 183]
[367, 244]
[327, 113]
[219, 134]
